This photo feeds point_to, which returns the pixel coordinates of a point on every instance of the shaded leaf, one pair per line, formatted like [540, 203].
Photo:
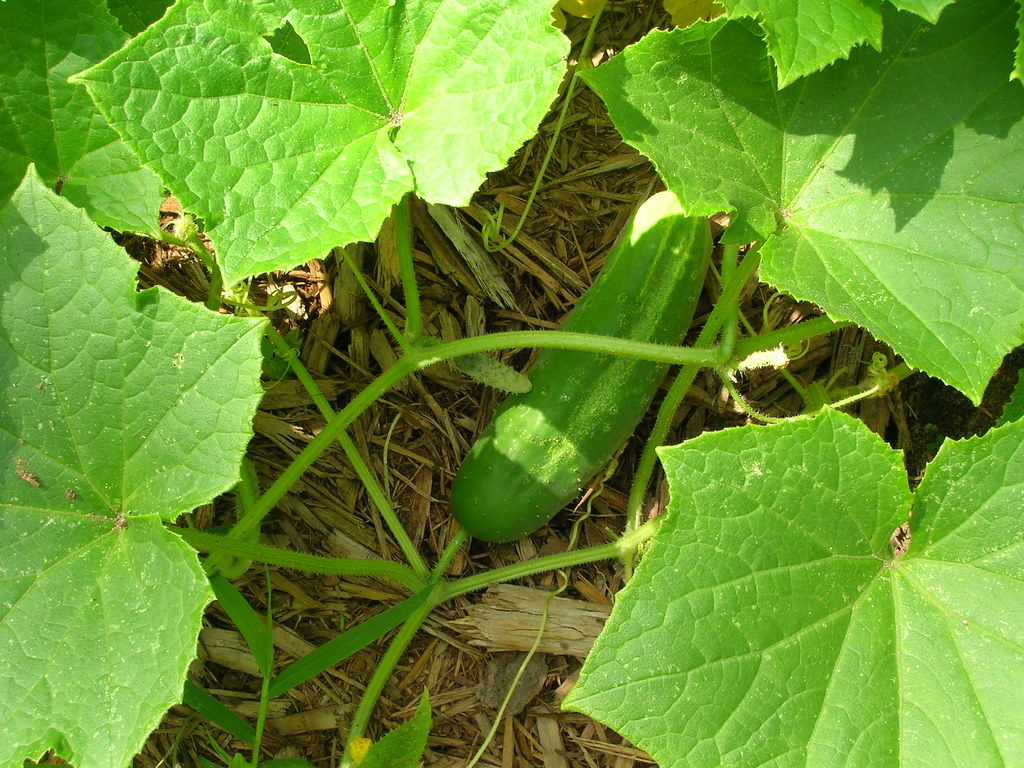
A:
[47, 121]
[135, 15]
[888, 188]
[1014, 409]
[805, 35]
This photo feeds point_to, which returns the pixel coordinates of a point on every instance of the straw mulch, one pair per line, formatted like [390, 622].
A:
[414, 439]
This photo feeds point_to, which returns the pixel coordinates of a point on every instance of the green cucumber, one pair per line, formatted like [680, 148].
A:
[541, 447]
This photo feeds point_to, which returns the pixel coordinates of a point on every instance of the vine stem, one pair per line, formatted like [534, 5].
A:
[444, 592]
[363, 400]
[735, 277]
[393, 655]
[194, 243]
[380, 676]
[330, 566]
[894, 375]
[648, 458]
[617, 549]
[363, 472]
[445, 560]
[723, 318]
[584, 342]
[749, 409]
[423, 356]
[792, 334]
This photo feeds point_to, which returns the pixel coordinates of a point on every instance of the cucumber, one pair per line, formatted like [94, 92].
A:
[541, 447]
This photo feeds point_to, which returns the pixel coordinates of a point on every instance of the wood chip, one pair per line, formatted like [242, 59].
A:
[473, 254]
[320, 719]
[549, 734]
[387, 270]
[349, 300]
[382, 351]
[289, 393]
[508, 619]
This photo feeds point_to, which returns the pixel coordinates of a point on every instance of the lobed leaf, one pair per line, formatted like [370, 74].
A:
[1014, 409]
[48, 121]
[123, 410]
[804, 36]
[135, 15]
[771, 623]
[1018, 60]
[284, 160]
[888, 189]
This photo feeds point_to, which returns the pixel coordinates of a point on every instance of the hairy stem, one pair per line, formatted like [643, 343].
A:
[286, 558]
[385, 318]
[373, 489]
[747, 408]
[613, 550]
[585, 342]
[194, 243]
[320, 443]
[452, 549]
[380, 676]
[792, 334]
[733, 281]
[734, 278]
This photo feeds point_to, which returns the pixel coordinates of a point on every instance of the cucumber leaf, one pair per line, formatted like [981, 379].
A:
[888, 188]
[135, 15]
[806, 35]
[1018, 61]
[770, 623]
[284, 160]
[123, 409]
[1014, 409]
[1018, 72]
[48, 121]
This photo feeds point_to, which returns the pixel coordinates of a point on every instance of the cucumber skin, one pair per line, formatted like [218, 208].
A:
[541, 447]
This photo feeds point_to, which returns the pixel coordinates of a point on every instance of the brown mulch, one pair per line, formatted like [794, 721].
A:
[416, 435]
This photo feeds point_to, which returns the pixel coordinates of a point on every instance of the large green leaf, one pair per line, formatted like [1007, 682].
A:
[284, 160]
[805, 35]
[47, 121]
[771, 624]
[122, 409]
[889, 187]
